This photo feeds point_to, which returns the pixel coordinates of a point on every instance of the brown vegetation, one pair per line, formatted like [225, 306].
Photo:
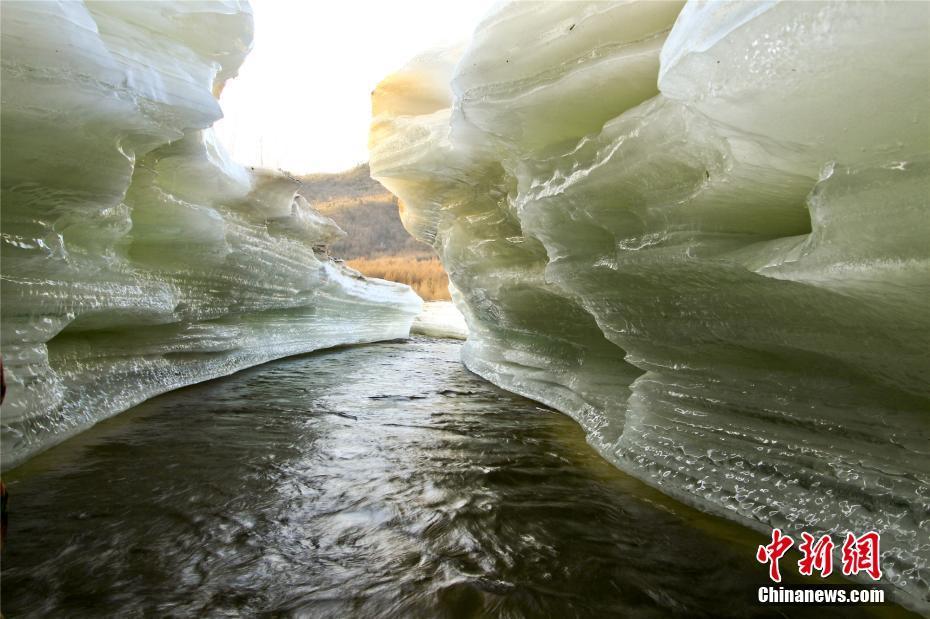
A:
[424, 274]
[376, 243]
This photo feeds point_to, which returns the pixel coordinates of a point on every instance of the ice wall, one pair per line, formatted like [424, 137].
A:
[704, 235]
[137, 257]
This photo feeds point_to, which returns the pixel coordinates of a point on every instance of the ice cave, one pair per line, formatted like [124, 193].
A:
[698, 229]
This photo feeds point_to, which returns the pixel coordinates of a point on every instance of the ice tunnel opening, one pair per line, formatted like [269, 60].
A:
[717, 265]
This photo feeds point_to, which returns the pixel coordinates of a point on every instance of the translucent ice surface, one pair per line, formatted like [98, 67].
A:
[440, 319]
[704, 235]
[136, 256]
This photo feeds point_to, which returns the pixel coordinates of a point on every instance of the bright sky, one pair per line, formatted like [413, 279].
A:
[302, 98]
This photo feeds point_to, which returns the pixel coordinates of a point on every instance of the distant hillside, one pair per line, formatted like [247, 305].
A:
[354, 183]
[377, 243]
[365, 210]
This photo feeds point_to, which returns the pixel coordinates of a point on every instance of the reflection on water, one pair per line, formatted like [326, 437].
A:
[371, 481]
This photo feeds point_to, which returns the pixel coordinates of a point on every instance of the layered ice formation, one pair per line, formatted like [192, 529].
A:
[136, 256]
[702, 232]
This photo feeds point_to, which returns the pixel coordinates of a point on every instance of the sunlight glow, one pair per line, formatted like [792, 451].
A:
[302, 98]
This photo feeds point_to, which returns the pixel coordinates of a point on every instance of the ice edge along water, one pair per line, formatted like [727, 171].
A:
[137, 257]
[701, 231]
[440, 319]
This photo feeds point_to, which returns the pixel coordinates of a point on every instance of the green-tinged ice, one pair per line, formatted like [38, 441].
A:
[704, 235]
[136, 256]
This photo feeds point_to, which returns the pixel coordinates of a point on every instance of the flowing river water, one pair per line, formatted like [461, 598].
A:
[381, 480]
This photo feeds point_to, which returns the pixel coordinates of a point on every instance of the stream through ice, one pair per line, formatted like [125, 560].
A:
[380, 480]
